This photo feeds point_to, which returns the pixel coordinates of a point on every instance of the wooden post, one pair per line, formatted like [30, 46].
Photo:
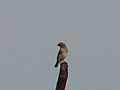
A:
[63, 75]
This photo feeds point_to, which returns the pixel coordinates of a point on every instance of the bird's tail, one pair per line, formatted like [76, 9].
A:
[56, 65]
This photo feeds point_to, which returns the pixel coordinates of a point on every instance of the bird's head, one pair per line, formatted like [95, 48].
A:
[61, 45]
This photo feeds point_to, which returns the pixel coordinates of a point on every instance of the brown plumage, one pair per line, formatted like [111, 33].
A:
[62, 54]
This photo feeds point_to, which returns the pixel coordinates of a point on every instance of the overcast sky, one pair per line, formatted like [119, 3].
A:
[31, 29]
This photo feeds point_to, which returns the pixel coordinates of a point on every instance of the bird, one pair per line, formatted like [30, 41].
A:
[62, 53]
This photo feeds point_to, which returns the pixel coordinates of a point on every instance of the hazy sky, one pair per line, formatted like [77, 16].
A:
[31, 29]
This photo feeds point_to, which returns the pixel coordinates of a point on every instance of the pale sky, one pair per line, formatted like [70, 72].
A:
[31, 29]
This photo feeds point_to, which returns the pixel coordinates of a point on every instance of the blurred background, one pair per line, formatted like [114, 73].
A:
[31, 29]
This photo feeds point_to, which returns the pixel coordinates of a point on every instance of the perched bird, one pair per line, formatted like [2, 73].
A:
[62, 54]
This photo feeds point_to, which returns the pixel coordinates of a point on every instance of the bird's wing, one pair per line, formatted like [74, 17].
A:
[59, 56]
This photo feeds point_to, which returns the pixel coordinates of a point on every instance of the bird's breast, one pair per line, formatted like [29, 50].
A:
[64, 52]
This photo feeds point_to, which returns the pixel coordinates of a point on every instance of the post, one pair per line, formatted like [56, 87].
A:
[63, 75]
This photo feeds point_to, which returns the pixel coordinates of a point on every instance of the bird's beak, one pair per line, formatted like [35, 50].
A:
[58, 45]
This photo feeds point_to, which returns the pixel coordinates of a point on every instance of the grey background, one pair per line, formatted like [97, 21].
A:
[31, 29]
